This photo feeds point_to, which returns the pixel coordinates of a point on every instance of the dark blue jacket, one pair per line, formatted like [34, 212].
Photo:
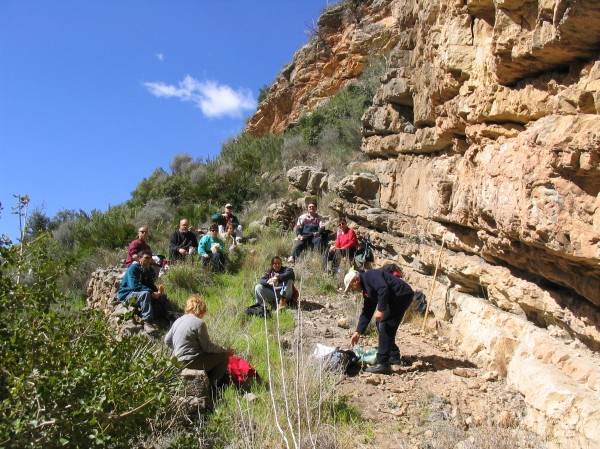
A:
[136, 279]
[380, 290]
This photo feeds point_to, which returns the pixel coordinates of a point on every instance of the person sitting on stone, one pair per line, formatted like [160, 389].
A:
[345, 245]
[138, 245]
[192, 346]
[222, 219]
[229, 236]
[276, 286]
[309, 228]
[182, 242]
[211, 249]
[138, 284]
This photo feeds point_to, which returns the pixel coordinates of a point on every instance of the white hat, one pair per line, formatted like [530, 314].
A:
[349, 278]
[228, 205]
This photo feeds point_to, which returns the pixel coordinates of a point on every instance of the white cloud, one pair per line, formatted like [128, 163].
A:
[212, 98]
[160, 57]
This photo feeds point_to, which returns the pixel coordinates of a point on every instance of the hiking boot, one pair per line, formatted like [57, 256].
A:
[379, 369]
[395, 361]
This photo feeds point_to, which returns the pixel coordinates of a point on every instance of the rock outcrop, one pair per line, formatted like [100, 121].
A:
[485, 133]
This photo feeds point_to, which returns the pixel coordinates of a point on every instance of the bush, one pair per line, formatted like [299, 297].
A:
[66, 380]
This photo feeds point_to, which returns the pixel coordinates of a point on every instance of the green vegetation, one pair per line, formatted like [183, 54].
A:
[66, 380]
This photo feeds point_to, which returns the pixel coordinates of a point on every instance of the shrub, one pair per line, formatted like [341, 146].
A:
[66, 380]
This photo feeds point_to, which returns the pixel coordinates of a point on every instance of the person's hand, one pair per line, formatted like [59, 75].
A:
[379, 315]
[205, 256]
[275, 280]
[299, 237]
[182, 251]
[354, 339]
[161, 289]
[156, 295]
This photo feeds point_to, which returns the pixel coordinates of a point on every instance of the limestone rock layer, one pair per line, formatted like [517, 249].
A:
[484, 133]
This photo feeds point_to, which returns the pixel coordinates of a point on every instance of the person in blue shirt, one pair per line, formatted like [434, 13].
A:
[138, 284]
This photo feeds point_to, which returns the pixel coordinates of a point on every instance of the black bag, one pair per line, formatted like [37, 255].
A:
[340, 360]
[258, 310]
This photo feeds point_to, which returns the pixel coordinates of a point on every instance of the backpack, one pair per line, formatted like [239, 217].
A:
[241, 372]
[258, 311]
[393, 269]
[364, 255]
[419, 303]
[340, 360]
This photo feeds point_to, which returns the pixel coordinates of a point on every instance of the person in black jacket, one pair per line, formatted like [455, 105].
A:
[387, 297]
[276, 285]
[182, 242]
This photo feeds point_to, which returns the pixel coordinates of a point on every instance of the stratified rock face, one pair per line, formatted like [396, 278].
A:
[485, 133]
[344, 41]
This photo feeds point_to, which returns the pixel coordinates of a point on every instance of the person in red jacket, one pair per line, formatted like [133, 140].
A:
[345, 245]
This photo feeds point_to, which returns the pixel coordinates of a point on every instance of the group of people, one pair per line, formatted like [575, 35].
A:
[311, 232]
[385, 296]
[225, 227]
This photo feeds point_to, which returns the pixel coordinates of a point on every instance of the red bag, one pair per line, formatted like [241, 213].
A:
[240, 370]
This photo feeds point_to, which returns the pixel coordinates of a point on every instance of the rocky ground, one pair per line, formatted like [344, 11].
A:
[435, 399]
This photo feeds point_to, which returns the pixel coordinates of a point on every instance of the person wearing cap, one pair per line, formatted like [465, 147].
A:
[221, 219]
[345, 245]
[387, 297]
[309, 229]
[211, 249]
[182, 242]
[137, 246]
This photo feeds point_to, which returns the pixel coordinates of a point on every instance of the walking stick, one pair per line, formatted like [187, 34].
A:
[437, 265]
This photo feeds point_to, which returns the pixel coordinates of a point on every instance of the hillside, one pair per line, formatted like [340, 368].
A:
[484, 136]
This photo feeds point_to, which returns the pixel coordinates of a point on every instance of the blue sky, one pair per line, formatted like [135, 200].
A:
[95, 95]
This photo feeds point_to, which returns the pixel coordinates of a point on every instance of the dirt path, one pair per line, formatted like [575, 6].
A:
[436, 399]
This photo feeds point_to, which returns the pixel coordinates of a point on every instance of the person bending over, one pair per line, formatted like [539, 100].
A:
[387, 297]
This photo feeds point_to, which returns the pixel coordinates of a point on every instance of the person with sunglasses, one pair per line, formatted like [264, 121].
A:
[138, 245]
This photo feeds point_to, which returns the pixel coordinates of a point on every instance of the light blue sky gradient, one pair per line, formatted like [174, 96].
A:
[95, 95]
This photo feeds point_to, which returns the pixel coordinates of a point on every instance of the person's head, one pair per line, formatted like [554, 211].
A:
[312, 208]
[230, 229]
[196, 305]
[343, 224]
[276, 263]
[184, 224]
[213, 229]
[145, 258]
[352, 281]
[143, 233]
[228, 209]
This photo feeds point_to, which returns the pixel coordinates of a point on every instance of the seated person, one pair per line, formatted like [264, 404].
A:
[222, 219]
[138, 283]
[138, 245]
[211, 248]
[191, 344]
[182, 242]
[229, 236]
[276, 285]
[309, 230]
[345, 245]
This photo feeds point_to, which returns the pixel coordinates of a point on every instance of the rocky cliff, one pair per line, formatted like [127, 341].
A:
[484, 134]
